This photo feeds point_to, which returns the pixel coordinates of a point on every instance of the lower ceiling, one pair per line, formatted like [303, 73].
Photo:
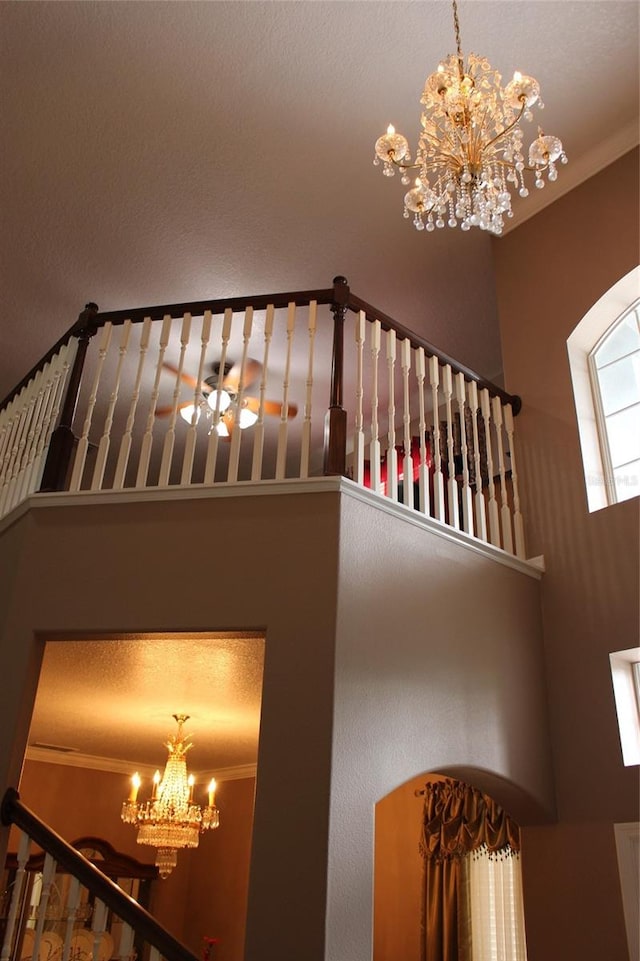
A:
[108, 704]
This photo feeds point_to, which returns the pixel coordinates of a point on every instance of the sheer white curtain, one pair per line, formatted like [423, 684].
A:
[493, 889]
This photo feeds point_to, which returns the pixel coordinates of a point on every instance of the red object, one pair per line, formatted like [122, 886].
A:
[208, 952]
[415, 458]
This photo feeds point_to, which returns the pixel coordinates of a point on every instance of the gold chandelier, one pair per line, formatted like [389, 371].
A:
[470, 155]
[170, 820]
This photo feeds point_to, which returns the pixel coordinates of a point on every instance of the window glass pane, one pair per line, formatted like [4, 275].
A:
[620, 383]
[627, 481]
[623, 431]
[624, 338]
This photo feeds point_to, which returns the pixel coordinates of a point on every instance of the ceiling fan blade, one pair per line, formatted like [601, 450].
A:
[187, 378]
[252, 370]
[165, 411]
[271, 407]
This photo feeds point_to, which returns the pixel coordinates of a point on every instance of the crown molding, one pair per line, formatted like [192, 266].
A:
[575, 173]
[112, 765]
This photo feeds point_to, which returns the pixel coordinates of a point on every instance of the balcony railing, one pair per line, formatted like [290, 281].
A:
[315, 382]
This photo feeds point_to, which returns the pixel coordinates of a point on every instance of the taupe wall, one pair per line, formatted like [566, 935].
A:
[438, 668]
[115, 568]
[389, 651]
[549, 272]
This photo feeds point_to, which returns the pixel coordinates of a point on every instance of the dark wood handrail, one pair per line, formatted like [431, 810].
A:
[260, 302]
[138, 314]
[388, 323]
[13, 811]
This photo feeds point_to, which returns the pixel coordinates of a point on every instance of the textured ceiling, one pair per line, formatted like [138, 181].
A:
[112, 701]
[166, 152]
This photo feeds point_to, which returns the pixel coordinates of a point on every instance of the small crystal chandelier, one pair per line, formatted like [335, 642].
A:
[469, 155]
[170, 820]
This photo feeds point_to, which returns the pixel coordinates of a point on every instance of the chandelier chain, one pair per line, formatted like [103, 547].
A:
[456, 26]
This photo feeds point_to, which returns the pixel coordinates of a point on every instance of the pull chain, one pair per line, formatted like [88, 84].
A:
[456, 25]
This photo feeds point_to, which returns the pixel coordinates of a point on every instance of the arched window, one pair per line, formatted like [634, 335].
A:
[604, 356]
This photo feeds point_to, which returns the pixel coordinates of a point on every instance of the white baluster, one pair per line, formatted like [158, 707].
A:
[392, 454]
[170, 436]
[21, 489]
[467, 500]
[125, 949]
[234, 453]
[505, 513]
[13, 425]
[306, 425]
[48, 874]
[481, 518]
[190, 442]
[83, 443]
[27, 426]
[61, 366]
[281, 456]
[518, 524]
[105, 440]
[407, 464]
[17, 430]
[73, 900]
[258, 439]
[494, 521]
[452, 483]
[374, 450]
[24, 846]
[147, 440]
[438, 478]
[212, 446]
[423, 475]
[125, 443]
[358, 439]
[154, 954]
[98, 923]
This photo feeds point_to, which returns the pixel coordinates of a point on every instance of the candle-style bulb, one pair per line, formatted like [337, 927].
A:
[135, 787]
[212, 791]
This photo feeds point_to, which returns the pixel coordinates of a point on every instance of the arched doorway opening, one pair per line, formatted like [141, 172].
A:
[447, 882]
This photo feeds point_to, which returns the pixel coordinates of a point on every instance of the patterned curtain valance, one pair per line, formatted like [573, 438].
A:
[459, 819]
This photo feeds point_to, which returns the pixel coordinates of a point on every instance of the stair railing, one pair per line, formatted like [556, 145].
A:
[136, 922]
[402, 417]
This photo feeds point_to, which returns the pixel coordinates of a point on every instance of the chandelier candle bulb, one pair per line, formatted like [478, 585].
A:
[135, 787]
[470, 150]
[212, 792]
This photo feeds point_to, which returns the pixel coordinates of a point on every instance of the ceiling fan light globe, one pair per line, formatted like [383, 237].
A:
[247, 418]
[220, 397]
[187, 413]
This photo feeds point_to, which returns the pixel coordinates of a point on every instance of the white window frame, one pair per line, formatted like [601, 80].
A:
[601, 418]
[589, 332]
[625, 673]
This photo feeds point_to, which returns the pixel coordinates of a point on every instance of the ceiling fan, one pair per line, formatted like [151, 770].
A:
[219, 392]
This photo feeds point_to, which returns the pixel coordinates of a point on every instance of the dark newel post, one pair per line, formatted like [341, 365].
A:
[335, 426]
[61, 444]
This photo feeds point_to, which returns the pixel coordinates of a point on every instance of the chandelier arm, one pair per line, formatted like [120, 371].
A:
[402, 166]
[508, 129]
